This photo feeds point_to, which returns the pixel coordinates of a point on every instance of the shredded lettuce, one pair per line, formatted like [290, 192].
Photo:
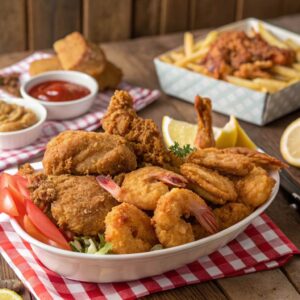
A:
[157, 247]
[91, 245]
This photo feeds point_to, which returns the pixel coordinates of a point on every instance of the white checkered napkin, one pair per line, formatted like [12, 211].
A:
[262, 246]
[90, 121]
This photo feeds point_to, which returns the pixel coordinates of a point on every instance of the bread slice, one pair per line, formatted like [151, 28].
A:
[75, 53]
[44, 65]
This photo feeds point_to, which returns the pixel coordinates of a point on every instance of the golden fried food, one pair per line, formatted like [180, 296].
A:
[205, 136]
[209, 184]
[10, 83]
[143, 134]
[129, 230]
[77, 203]
[76, 53]
[258, 158]
[81, 152]
[234, 52]
[14, 117]
[110, 77]
[143, 187]
[231, 213]
[44, 65]
[255, 188]
[219, 160]
[170, 227]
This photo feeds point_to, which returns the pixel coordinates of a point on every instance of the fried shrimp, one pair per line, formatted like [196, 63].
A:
[231, 213]
[170, 228]
[258, 158]
[224, 162]
[255, 188]
[204, 136]
[209, 184]
[129, 230]
[143, 187]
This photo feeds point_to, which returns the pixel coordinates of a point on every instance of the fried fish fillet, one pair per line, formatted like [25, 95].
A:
[222, 161]
[76, 203]
[209, 184]
[81, 152]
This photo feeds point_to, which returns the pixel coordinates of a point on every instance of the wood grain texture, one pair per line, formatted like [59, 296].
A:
[175, 15]
[267, 285]
[51, 20]
[211, 13]
[146, 17]
[107, 20]
[135, 58]
[291, 7]
[12, 26]
[265, 9]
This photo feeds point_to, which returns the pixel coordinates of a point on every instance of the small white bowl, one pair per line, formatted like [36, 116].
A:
[64, 109]
[24, 137]
[125, 267]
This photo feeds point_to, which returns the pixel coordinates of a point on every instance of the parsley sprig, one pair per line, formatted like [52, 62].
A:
[181, 151]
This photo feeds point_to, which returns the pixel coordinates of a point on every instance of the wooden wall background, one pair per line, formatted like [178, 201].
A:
[36, 24]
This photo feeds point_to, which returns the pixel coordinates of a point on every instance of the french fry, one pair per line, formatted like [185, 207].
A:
[271, 85]
[296, 67]
[196, 68]
[292, 44]
[269, 37]
[176, 55]
[286, 72]
[210, 38]
[196, 55]
[298, 56]
[198, 45]
[244, 83]
[188, 43]
[166, 59]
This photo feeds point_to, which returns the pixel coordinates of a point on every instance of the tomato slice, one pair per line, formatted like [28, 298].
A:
[33, 231]
[18, 199]
[7, 203]
[22, 184]
[7, 180]
[44, 224]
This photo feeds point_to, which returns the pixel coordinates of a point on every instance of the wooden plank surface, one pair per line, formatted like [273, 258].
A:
[107, 20]
[135, 58]
[12, 26]
[207, 13]
[51, 20]
[146, 17]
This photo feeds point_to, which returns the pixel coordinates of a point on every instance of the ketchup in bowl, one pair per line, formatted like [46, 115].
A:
[57, 91]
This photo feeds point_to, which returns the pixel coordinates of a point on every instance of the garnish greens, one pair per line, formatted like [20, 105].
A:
[91, 245]
[181, 151]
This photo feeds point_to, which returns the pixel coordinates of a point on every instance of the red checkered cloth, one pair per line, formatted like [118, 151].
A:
[90, 121]
[262, 246]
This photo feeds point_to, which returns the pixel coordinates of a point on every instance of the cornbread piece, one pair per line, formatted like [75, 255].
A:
[110, 77]
[15, 117]
[44, 65]
[75, 53]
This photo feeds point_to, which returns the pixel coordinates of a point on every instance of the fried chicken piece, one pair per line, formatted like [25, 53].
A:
[205, 136]
[231, 213]
[209, 184]
[44, 65]
[254, 70]
[81, 152]
[11, 83]
[143, 134]
[258, 158]
[222, 161]
[255, 188]
[76, 203]
[233, 49]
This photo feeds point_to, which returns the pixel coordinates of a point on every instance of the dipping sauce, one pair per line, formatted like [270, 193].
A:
[57, 91]
[14, 117]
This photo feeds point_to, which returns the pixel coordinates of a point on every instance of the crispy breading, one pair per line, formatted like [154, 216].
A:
[143, 134]
[76, 53]
[81, 152]
[44, 65]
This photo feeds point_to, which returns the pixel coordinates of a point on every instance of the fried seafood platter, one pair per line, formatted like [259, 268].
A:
[122, 193]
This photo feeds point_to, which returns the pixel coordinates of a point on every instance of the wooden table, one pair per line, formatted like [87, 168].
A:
[135, 58]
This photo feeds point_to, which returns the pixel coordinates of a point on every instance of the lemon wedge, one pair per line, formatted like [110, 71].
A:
[232, 134]
[290, 143]
[6, 294]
